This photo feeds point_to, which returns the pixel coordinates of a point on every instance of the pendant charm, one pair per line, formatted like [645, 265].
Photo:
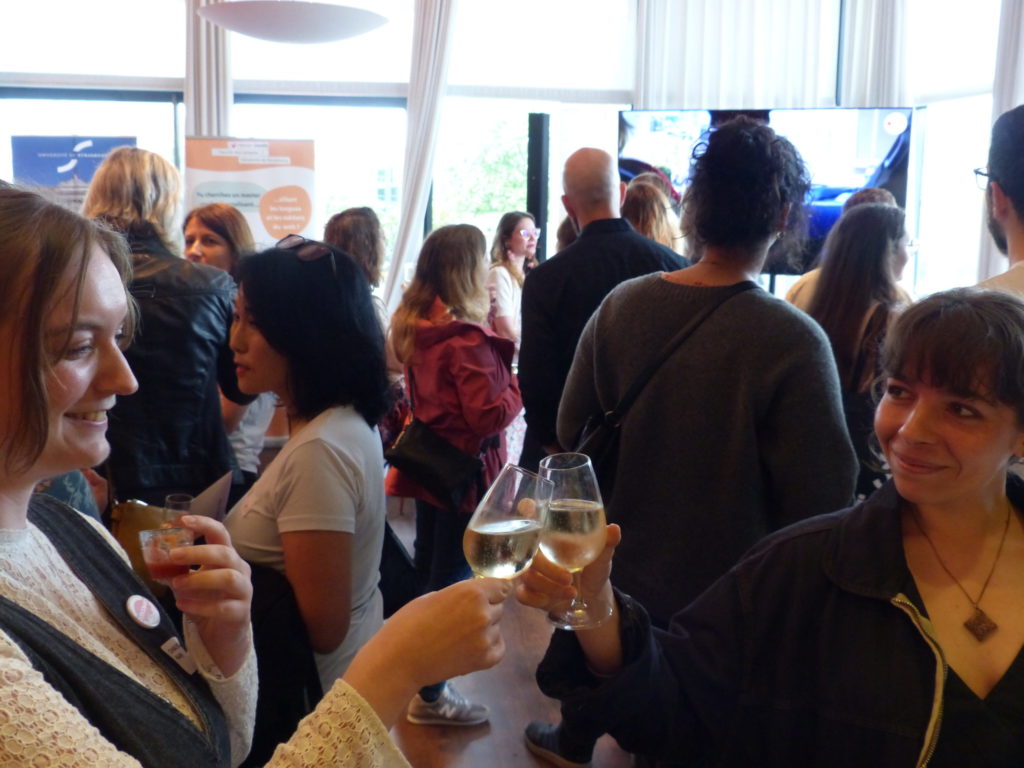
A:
[980, 625]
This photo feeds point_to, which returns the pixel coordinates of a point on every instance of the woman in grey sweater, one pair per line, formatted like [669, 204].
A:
[741, 431]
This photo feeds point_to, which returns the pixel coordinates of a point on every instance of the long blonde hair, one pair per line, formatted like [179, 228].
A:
[133, 184]
[449, 267]
[647, 208]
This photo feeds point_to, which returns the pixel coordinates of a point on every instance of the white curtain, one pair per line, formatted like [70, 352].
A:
[733, 54]
[208, 85]
[1007, 93]
[427, 81]
[873, 70]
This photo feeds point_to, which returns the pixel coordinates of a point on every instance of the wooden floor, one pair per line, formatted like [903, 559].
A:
[509, 690]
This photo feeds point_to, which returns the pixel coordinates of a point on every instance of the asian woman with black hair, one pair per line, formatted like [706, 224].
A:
[305, 329]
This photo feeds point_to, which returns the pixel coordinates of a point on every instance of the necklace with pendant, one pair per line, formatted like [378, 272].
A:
[980, 624]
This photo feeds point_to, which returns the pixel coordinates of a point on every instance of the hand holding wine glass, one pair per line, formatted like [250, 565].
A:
[574, 535]
[502, 536]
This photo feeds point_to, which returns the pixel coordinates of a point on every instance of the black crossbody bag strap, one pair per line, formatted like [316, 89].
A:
[614, 417]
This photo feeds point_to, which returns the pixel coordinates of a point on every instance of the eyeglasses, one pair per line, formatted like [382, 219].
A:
[308, 250]
[529, 232]
[983, 177]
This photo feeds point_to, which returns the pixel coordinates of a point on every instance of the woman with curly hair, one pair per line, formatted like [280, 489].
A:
[740, 431]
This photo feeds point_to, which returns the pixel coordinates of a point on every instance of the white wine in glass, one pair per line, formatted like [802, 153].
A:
[574, 535]
[502, 536]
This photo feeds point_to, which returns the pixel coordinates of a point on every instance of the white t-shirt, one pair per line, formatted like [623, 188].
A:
[506, 298]
[328, 477]
[247, 440]
[1010, 281]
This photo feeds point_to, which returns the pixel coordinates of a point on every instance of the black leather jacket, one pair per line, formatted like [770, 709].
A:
[169, 436]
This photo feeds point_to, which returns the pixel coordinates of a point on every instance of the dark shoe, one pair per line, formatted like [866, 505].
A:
[545, 740]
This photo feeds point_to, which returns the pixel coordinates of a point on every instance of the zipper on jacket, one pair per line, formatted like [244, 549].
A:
[935, 721]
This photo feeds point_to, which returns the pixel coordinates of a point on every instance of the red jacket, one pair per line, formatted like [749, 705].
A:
[464, 390]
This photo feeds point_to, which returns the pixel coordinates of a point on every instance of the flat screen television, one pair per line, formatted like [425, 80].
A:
[844, 149]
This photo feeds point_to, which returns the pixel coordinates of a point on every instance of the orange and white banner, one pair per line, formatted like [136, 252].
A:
[270, 181]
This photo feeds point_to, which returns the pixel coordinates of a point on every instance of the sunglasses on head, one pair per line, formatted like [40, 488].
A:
[308, 250]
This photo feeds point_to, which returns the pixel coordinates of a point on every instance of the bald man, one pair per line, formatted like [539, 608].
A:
[561, 294]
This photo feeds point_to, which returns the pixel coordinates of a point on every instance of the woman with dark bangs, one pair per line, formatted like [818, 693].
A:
[889, 633]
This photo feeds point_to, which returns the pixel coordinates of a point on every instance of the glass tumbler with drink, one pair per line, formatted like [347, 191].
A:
[157, 543]
[501, 537]
[574, 534]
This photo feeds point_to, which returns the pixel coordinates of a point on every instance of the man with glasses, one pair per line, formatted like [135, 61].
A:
[561, 294]
[1003, 181]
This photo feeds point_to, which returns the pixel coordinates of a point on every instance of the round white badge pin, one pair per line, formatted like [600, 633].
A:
[143, 612]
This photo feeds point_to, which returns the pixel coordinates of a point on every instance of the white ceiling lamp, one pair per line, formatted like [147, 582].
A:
[292, 21]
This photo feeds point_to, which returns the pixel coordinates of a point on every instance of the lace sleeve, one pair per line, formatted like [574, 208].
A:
[236, 694]
[39, 727]
[342, 730]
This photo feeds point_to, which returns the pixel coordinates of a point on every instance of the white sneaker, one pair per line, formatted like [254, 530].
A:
[451, 708]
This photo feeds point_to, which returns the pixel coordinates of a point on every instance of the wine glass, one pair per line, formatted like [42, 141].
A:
[574, 534]
[176, 505]
[501, 537]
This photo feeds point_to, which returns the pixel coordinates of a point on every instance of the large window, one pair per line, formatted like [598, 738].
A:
[358, 153]
[152, 123]
[571, 44]
[951, 64]
[572, 59]
[100, 37]
[480, 160]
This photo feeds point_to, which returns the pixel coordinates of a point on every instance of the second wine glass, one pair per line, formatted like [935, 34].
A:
[574, 535]
[501, 538]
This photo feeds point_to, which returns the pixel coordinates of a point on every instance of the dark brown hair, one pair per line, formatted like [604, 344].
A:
[358, 233]
[857, 274]
[229, 224]
[966, 340]
[42, 243]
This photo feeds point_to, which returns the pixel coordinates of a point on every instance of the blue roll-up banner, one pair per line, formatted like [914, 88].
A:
[63, 164]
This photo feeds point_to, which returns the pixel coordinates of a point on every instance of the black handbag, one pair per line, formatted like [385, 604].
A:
[432, 462]
[399, 581]
[599, 438]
